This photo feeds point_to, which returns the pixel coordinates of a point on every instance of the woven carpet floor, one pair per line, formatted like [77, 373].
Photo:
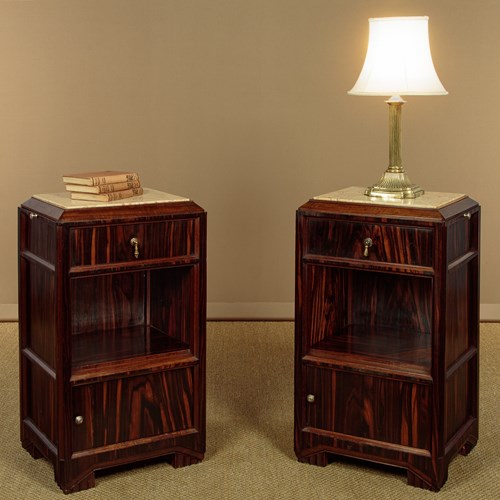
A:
[250, 435]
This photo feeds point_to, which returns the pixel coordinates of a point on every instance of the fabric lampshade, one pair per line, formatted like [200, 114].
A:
[398, 60]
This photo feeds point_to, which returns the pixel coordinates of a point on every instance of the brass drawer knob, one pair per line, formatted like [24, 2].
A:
[135, 243]
[33, 215]
[310, 398]
[78, 420]
[467, 215]
[368, 242]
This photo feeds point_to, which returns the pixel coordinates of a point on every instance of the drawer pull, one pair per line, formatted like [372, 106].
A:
[368, 243]
[78, 420]
[310, 398]
[135, 243]
[33, 215]
[467, 215]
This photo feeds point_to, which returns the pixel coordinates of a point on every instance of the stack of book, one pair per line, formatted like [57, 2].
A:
[107, 185]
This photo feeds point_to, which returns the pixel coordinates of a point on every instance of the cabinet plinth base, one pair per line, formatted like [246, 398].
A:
[422, 468]
[84, 484]
[79, 474]
[467, 447]
[184, 460]
[320, 459]
[32, 450]
[419, 482]
[415, 477]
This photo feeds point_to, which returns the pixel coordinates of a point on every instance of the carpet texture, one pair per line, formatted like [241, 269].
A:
[250, 435]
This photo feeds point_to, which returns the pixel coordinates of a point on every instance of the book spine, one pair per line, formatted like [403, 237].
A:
[119, 195]
[118, 186]
[110, 179]
[103, 188]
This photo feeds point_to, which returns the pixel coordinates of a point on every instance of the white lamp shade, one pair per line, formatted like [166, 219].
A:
[398, 60]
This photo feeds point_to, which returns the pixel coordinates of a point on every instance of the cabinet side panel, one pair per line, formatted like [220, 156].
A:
[458, 238]
[41, 406]
[457, 314]
[41, 239]
[457, 401]
[40, 322]
[461, 355]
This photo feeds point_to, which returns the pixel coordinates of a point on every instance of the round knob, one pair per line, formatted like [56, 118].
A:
[310, 398]
[33, 215]
[467, 215]
[78, 420]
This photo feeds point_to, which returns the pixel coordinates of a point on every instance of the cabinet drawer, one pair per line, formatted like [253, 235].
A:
[389, 243]
[121, 410]
[111, 244]
[367, 407]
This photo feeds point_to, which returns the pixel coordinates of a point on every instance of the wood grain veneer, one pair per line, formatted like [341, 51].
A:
[112, 346]
[386, 344]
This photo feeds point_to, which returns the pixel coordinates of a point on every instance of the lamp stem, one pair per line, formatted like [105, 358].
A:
[395, 183]
[395, 111]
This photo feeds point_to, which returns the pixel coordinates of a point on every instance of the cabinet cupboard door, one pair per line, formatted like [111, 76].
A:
[131, 408]
[368, 407]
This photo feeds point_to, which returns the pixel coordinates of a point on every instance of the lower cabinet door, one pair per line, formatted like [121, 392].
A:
[132, 408]
[369, 407]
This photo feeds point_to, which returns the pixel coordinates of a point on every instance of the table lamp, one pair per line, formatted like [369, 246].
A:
[398, 62]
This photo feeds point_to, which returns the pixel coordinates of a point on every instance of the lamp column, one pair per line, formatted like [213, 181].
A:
[395, 110]
[395, 183]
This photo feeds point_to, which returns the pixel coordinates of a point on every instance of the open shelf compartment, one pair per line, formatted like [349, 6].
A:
[386, 328]
[139, 314]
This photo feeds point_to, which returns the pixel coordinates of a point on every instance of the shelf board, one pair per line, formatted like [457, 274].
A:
[98, 353]
[378, 350]
[368, 265]
[140, 265]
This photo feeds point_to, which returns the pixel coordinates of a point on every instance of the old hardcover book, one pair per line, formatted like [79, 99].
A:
[103, 188]
[102, 177]
[116, 195]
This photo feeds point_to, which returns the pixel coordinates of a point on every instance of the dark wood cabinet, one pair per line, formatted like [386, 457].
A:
[112, 335]
[387, 322]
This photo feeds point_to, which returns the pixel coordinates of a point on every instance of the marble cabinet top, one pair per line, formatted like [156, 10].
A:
[63, 200]
[356, 194]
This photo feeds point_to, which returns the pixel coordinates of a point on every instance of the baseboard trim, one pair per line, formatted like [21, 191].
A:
[489, 312]
[263, 311]
[267, 311]
[215, 311]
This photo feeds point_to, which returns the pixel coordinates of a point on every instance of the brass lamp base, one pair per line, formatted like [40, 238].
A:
[394, 186]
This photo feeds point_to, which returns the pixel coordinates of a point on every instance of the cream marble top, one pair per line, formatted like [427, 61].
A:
[63, 200]
[356, 194]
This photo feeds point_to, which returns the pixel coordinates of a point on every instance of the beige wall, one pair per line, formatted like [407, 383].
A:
[242, 106]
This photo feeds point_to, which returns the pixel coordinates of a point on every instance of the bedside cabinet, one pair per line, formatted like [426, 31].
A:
[112, 317]
[386, 332]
